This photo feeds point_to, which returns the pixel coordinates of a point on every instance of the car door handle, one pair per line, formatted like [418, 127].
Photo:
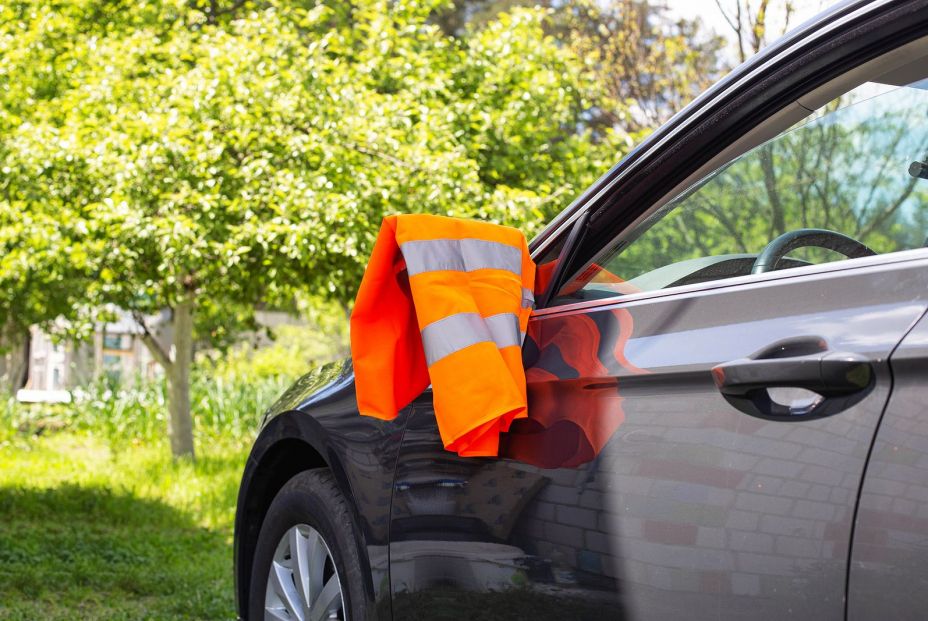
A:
[839, 379]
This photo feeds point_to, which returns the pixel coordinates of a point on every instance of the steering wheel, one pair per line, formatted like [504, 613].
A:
[822, 238]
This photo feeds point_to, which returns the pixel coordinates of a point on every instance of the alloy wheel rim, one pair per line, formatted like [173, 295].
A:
[303, 582]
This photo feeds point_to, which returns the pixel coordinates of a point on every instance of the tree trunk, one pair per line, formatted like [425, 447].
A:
[178, 374]
[177, 371]
[14, 360]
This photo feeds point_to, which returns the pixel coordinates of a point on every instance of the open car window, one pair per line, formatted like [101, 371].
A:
[850, 180]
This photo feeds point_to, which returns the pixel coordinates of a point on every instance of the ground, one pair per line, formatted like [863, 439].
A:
[89, 532]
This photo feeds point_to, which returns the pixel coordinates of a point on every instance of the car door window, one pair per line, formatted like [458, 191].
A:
[857, 169]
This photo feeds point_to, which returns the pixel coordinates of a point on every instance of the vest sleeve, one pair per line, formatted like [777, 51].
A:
[386, 349]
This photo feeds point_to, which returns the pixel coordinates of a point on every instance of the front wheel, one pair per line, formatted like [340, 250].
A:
[306, 564]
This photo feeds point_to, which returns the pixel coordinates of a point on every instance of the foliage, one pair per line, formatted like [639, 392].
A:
[79, 482]
[247, 159]
[246, 150]
[648, 63]
[295, 350]
[217, 157]
[227, 406]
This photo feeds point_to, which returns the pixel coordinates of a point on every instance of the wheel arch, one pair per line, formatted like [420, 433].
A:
[290, 443]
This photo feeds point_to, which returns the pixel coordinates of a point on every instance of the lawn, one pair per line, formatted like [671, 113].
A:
[97, 521]
[87, 532]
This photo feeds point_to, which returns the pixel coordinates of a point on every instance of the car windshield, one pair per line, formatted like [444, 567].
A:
[858, 166]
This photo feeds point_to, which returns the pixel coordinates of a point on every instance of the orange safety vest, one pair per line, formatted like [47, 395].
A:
[445, 301]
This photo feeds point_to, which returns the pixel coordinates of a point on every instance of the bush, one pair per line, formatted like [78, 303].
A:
[295, 350]
[224, 409]
[229, 390]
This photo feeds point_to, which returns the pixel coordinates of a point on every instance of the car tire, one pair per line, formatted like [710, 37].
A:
[311, 503]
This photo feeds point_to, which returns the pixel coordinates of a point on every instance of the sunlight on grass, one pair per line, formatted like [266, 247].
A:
[97, 521]
[86, 533]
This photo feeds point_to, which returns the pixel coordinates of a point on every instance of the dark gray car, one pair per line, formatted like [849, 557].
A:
[726, 375]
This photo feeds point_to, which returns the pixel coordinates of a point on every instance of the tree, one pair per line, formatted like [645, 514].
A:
[750, 22]
[649, 63]
[211, 157]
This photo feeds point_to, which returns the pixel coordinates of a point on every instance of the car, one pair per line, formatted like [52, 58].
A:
[726, 381]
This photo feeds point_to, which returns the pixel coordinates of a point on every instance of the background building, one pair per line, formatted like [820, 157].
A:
[116, 351]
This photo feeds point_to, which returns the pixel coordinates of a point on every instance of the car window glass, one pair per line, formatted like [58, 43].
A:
[857, 169]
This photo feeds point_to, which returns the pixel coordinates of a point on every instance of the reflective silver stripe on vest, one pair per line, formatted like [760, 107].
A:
[460, 255]
[528, 301]
[528, 298]
[505, 329]
[455, 332]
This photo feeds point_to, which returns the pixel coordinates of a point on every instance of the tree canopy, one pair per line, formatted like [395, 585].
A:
[213, 157]
[244, 158]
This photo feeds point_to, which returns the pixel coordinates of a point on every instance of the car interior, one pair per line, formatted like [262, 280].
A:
[841, 173]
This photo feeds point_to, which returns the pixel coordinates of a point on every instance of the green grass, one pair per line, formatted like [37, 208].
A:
[97, 521]
[86, 533]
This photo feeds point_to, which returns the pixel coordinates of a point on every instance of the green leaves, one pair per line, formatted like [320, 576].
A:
[249, 155]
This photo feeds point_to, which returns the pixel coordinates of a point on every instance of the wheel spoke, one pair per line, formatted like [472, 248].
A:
[285, 588]
[316, 555]
[299, 584]
[329, 600]
[299, 555]
[273, 614]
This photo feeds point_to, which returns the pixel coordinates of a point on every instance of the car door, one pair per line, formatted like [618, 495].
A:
[691, 506]
[702, 398]
[888, 577]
